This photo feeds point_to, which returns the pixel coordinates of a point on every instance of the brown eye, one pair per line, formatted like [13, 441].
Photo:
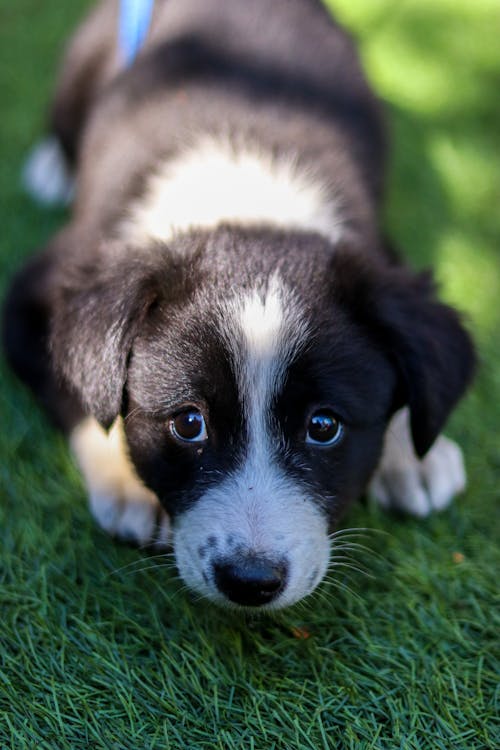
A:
[324, 428]
[189, 426]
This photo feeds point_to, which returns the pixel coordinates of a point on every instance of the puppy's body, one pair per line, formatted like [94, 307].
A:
[225, 270]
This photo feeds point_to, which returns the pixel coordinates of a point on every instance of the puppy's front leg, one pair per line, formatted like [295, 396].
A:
[417, 486]
[119, 501]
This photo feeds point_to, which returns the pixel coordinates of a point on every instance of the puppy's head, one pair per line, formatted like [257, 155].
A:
[257, 372]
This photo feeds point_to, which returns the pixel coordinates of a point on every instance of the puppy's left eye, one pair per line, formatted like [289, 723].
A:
[189, 426]
[324, 428]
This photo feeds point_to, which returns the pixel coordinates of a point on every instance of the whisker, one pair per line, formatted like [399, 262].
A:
[155, 541]
[364, 530]
[347, 539]
[351, 567]
[346, 557]
[335, 583]
[153, 566]
[132, 413]
[357, 547]
[321, 595]
[141, 561]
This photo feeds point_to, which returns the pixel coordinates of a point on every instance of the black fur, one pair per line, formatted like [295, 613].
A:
[95, 325]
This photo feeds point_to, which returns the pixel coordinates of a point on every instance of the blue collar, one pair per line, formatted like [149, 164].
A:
[135, 18]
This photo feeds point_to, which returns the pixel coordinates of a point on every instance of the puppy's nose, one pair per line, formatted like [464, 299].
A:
[250, 580]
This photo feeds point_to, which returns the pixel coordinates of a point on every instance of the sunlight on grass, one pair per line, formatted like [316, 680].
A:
[419, 53]
[437, 59]
[470, 279]
[472, 177]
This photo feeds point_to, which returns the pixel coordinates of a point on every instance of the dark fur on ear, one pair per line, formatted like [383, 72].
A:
[99, 308]
[425, 339]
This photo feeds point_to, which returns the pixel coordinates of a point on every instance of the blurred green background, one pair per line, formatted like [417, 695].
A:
[94, 654]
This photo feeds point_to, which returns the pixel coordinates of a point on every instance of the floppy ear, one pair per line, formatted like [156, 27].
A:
[425, 339]
[98, 311]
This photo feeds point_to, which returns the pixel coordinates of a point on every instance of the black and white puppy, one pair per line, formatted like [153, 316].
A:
[221, 326]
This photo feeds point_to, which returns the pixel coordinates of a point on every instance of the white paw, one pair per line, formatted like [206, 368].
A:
[128, 510]
[119, 501]
[412, 485]
[46, 176]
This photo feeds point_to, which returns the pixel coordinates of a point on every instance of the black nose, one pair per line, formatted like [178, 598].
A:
[250, 580]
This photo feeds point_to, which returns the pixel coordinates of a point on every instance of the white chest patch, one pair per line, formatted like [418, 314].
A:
[215, 182]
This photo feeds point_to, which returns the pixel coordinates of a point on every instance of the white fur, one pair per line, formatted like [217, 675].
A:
[415, 486]
[264, 330]
[257, 509]
[260, 511]
[119, 501]
[215, 182]
[45, 174]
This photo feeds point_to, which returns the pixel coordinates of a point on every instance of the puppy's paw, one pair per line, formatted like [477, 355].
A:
[123, 507]
[119, 501]
[418, 487]
[46, 176]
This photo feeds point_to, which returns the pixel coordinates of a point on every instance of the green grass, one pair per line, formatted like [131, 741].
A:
[96, 655]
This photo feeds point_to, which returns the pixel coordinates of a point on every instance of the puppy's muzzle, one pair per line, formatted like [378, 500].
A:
[250, 580]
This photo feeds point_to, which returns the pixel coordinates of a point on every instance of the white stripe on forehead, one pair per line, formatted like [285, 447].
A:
[261, 320]
[265, 329]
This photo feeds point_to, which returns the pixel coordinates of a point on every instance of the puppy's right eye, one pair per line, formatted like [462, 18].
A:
[188, 426]
[324, 428]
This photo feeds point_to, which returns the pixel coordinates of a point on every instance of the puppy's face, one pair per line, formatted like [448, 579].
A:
[257, 381]
[256, 414]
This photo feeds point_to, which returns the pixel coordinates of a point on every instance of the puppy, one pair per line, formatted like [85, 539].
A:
[221, 329]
